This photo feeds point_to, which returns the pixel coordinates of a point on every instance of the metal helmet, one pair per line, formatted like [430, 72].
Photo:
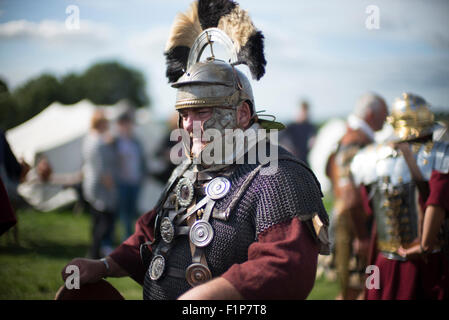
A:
[411, 117]
[213, 82]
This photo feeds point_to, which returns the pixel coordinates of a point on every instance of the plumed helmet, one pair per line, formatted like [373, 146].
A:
[213, 82]
[411, 117]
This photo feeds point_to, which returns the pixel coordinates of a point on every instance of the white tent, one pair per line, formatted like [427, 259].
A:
[53, 128]
[57, 132]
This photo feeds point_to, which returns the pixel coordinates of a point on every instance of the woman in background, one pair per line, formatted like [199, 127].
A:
[98, 184]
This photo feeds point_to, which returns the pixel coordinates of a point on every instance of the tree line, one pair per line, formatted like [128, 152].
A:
[103, 83]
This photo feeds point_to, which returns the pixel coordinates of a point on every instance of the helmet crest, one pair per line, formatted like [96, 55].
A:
[225, 15]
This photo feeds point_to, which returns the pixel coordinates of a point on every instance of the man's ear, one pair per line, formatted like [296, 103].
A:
[243, 115]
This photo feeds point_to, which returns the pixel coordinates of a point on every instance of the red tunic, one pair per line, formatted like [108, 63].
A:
[416, 279]
[281, 264]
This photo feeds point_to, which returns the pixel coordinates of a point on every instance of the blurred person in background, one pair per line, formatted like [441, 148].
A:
[350, 220]
[42, 187]
[298, 137]
[7, 215]
[408, 180]
[130, 172]
[14, 172]
[162, 154]
[98, 184]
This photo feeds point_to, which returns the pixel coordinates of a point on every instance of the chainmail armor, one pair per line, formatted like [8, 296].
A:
[291, 191]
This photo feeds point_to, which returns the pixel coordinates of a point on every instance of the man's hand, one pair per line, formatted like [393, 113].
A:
[412, 253]
[90, 270]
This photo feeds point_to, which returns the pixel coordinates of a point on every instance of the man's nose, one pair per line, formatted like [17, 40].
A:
[191, 122]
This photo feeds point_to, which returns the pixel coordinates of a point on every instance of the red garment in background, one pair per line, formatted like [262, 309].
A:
[7, 215]
[416, 279]
[439, 196]
[281, 265]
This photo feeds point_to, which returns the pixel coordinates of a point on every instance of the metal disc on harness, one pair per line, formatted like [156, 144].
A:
[197, 273]
[184, 192]
[157, 267]
[201, 233]
[167, 230]
[218, 188]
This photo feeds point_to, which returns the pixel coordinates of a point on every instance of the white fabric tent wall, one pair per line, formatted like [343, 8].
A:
[55, 126]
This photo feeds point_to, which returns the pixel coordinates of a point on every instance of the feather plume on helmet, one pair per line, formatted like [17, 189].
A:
[225, 15]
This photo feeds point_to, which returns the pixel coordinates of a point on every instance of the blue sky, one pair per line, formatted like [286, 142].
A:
[320, 50]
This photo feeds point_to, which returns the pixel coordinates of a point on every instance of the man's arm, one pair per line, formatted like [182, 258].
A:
[123, 261]
[433, 220]
[437, 206]
[350, 193]
[216, 289]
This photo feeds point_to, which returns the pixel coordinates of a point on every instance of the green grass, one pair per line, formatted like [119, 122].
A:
[324, 290]
[48, 241]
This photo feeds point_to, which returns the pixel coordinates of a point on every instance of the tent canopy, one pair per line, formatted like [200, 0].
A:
[56, 125]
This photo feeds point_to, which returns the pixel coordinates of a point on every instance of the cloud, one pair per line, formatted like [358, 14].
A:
[146, 49]
[153, 39]
[424, 23]
[55, 31]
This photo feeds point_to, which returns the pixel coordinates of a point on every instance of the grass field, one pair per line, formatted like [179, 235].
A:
[47, 241]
